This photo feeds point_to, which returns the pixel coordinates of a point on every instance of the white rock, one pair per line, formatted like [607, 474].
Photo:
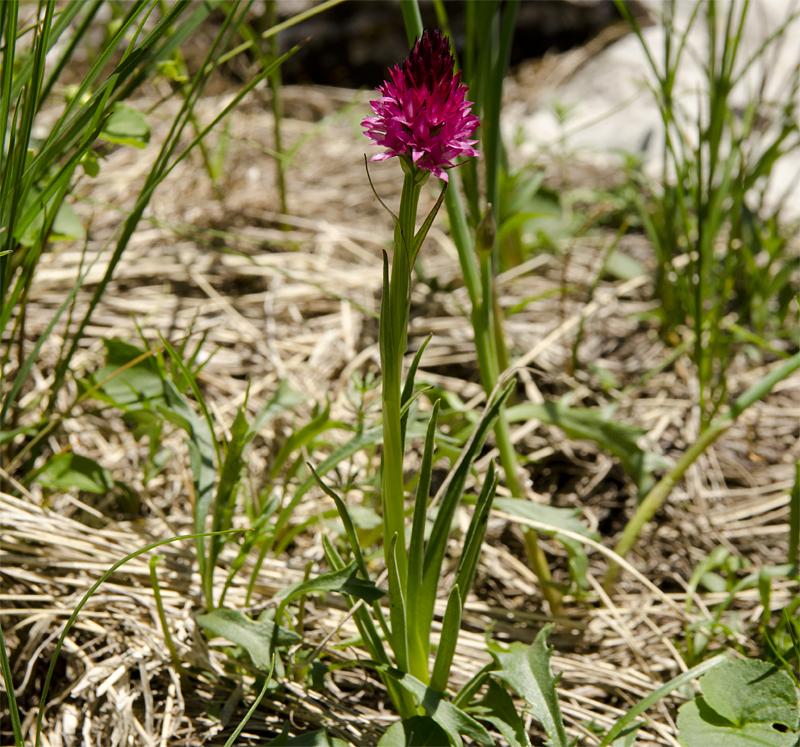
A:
[606, 109]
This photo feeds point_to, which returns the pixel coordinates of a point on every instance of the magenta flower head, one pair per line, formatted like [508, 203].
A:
[423, 114]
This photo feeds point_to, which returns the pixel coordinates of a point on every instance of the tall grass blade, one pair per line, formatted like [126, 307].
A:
[48, 680]
[8, 682]
[794, 522]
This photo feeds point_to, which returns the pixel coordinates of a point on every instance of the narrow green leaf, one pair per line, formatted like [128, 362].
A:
[408, 387]
[397, 608]
[419, 238]
[301, 437]
[473, 542]
[452, 493]
[10, 693]
[343, 580]
[349, 527]
[419, 633]
[451, 627]
[230, 473]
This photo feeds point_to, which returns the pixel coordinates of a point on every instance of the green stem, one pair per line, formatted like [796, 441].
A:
[277, 110]
[162, 616]
[483, 320]
[393, 334]
[660, 492]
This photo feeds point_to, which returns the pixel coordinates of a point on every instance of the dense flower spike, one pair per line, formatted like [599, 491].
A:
[423, 113]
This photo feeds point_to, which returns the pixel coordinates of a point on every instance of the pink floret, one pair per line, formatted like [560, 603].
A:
[423, 112]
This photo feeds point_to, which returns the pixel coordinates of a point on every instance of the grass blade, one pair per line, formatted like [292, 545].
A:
[8, 681]
[794, 522]
[628, 720]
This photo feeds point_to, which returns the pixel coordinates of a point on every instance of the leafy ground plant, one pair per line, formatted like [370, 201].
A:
[425, 146]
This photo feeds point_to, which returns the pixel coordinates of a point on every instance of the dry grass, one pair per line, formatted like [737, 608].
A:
[295, 298]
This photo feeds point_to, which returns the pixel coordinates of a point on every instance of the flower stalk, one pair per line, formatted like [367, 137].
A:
[424, 119]
[489, 347]
[393, 341]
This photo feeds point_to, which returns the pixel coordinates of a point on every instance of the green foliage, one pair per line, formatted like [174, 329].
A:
[417, 731]
[260, 638]
[126, 126]
[40, 172]
[149, 393]
[451, 719]
[530, 218]
[724, 263]
[72, 471]
[618, 439]
[744, 703]
[526, 670]
[559, 518]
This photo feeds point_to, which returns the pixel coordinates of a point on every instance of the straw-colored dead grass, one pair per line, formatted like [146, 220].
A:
[295, 298]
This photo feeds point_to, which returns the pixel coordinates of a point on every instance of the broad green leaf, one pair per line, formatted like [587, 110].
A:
[67, 225]
[257, 637]
[452, 720]
[619, 439]
[129, 377]
[627, 740]
[417, 731]
[748, 690]
[623, 267]
[364, 517]
[526, 669]
[72, 471]
[126, 126]
[700, 726]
